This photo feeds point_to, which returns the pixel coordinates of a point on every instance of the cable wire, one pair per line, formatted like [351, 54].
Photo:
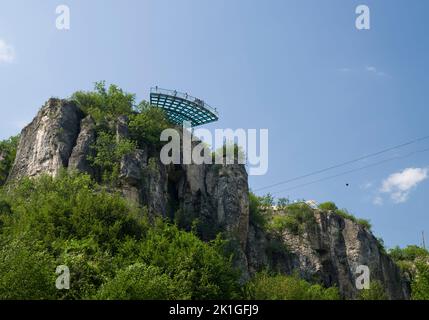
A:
[351, 171]
[344, 163]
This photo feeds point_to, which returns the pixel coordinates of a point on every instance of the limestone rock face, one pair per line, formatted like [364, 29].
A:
[79, 157]
[331, 251]
[228, 189]
[47, 142]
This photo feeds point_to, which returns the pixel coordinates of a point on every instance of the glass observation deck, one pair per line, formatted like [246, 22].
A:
[181, 107]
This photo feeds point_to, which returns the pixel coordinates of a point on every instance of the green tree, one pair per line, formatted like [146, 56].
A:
[328, 206]
[27, 271]
[146, 126]
[375, 292]
[201, 270]
[7, 157]
[331, 206]
[108, 153]
[257, 215]
[420, 284]
[71, 220]
[282, 203]
[294, 218]
[141, 282]
[280, 287]
[105, 104]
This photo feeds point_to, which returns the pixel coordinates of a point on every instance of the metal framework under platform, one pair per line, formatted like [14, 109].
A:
[181, 107]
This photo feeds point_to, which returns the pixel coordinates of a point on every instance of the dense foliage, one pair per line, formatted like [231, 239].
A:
[330, 206]
[280, 287]
[376, 291]
[114, 251]
[294, 218]
[257, 212]
[7, 157]
[414, 263]
[72, 221]
[107, 106]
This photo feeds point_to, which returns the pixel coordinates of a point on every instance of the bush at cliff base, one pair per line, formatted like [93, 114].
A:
[72, 221]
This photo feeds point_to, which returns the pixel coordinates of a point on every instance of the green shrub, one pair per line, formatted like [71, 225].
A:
[282, 203]
[99, 236]
[105, 104]
[410, 253]
[257, 215]
[7, 157]
[281, 223]
[279, 287]
[108, 153]
[331, 206]
[364, 223]
[90, 266]
[328, 206]
[200, 269]
[147, 125]
[420, 284]
[51, 209]
[27, 272]
[376, 291]
[141, 282]
[414, 261]
[295, 218]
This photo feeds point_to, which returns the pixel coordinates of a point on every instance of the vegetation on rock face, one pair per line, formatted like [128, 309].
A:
[291, 217]
[420, 284]
[257, 214]
[330, 206]
[414, 262]
[105, 105]
[108, 152]
[376, 291]
[280, 287]
[294, 218]
[147, 124]
[7, 157]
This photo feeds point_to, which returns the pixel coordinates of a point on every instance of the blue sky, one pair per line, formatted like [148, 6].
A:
[327, 92]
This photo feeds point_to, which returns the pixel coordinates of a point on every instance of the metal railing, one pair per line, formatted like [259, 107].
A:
[185, 96]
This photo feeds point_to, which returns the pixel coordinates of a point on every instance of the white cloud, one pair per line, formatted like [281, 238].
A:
[369, 69]
[7, 52]
[375, 71]
[399, 185]
[378, 201]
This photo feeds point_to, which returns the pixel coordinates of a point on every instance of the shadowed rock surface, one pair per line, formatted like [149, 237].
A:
[79, 157]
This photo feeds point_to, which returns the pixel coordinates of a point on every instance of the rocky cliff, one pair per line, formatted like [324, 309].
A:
[330, 252]
[60, 136]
